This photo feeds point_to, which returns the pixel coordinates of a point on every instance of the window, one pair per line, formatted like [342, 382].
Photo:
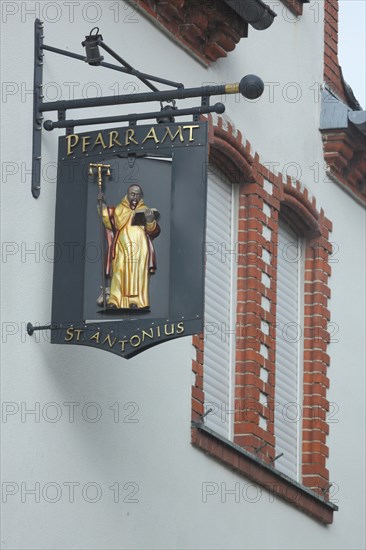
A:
[220, 310]
[288, 387]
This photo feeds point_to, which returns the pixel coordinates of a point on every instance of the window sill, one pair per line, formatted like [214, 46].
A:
[265, 475]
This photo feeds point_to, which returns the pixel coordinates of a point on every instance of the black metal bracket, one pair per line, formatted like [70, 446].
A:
[200, 423]
[39, 48]
[31, 328]
[37, 113]
[113, 67]
[276, 458]
[205, 102]
[250, 87]
[166, 113]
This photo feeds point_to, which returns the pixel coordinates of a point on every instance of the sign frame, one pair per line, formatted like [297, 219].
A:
[127, 333]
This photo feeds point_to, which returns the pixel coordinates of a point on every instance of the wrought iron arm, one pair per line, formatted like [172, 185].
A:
[129, 67]
[132, 72]
[218, 108]
[250, 87]
[164, 95]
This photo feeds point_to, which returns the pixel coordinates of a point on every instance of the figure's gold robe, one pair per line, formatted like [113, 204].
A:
[131, 257]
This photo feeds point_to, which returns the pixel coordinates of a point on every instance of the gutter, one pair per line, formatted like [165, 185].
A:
[255, 12]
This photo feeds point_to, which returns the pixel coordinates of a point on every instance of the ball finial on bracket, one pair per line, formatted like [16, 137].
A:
[251, 86]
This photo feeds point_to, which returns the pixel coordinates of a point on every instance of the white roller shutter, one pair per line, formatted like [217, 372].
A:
[219, 311]
[288, 392]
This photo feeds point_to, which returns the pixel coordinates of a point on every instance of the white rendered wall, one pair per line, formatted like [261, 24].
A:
[155, 453]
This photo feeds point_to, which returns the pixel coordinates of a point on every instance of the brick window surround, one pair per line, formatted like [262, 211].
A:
[258, 187]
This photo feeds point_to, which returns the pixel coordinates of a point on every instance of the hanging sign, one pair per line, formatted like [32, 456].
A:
[129, 237]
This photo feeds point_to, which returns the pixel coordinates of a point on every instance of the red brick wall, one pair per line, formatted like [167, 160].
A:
[344, 149]
[296, 6]
[210, 29]
[345, 155]
[332, 71]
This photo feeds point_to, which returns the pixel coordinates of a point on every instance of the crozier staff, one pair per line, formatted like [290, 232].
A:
[130, 226]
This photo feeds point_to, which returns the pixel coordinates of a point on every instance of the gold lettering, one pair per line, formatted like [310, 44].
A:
[158, 331]
[151, 135]
[100, 141]
[72, 141]
[123, 343]
[113, 139]
[85, 142]
[130, 137]
[190, 127]
[108, 339]
[149, 334]
[170, 134]
[69, 334]
[96, 337]
[78, 332]
[135, 338]
[166, 330]
[180, 328]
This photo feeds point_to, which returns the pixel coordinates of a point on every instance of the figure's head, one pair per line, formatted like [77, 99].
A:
[134, 195]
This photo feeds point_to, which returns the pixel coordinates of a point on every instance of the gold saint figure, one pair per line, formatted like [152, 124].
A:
[130, 228]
